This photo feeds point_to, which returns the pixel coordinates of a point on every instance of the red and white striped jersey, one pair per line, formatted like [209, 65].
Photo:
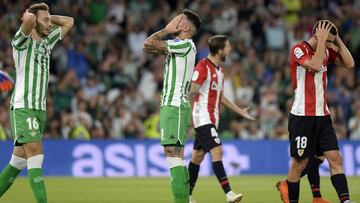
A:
[309, 86]
[206, 108]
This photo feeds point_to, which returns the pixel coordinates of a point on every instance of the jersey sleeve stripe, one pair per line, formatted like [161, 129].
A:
[179, 46]
[54, 38]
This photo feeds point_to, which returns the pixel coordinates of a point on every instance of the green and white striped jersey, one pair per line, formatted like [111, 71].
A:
[178, 71]
[32, 63]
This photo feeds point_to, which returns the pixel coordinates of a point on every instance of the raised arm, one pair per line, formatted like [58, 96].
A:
[28, 23]
[155, 45]
[346, 60]
[315, 63]
[65, 22]
[229, 104]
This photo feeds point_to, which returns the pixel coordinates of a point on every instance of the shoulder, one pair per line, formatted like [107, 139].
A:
[298, 50]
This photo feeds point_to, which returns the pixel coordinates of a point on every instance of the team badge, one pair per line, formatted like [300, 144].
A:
[300, 152]
[298, 52]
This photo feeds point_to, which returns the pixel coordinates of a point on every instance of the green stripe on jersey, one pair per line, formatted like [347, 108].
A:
[180, 46]
[35, 77]
[27, 75]
[173, 79]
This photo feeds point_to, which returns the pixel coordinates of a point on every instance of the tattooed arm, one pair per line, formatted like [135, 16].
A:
[155, 45]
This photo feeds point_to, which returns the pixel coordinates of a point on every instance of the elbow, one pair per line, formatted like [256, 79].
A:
[350, 65]
[71, 21]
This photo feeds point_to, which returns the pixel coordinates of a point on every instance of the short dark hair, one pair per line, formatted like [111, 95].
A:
[333, 30]
[193, 18]
[216, 43]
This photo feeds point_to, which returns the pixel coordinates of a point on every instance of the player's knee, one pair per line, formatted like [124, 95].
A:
[33, 149]
[197, 156]
[216, 153]
[299, 165]
[35, 161]
[18, 162]
[335, 160]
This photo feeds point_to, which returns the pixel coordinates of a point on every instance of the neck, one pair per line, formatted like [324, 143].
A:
[214, 59]
[312, 42]
[35, 35]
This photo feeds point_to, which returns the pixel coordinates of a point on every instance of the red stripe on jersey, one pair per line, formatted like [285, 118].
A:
[212, 96]
[310, 97]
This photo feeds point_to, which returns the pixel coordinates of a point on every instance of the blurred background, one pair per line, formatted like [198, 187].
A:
[103, 86]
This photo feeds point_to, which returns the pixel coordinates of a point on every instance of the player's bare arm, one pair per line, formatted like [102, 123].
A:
[28, 22]
[229, 104]
[65, 22]
[346, 60]
[194, 89]
[155, 45]
[322, 33]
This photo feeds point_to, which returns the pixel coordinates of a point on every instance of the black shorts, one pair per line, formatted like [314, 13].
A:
[206, 137]
[311, 135]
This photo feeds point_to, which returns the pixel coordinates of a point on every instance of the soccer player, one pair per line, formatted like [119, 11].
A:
[207, 93]
[308, 62]
[312, 172]
[175, 111]
[32, 44]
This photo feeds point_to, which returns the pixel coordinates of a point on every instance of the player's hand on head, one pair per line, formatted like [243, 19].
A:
[175, 24]
[6, 82]
[323, 30]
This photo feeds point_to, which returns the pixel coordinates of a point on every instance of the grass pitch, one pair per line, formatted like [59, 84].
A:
[256, 189]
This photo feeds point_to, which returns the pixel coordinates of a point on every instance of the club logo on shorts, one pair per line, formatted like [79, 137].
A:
[300, 152]
[33, 133]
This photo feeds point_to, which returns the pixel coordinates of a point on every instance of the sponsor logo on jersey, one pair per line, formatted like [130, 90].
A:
[213, 85]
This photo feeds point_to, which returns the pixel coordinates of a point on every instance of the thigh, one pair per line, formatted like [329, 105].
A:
[25, 126]
[302, 136]
[184, 123]
[327, 140]
[208, 137]
[169, 125]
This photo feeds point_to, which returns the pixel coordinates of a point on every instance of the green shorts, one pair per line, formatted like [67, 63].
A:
[174, 122]
[27, 125]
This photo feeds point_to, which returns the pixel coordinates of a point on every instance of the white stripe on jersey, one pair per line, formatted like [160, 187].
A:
[319, 93]
[298, 107]
[200, 113]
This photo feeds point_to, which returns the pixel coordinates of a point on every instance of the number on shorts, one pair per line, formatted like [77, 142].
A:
[301, 142]
[214, 133]
[32, 123]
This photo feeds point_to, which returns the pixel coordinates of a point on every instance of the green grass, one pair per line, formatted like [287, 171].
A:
[128, 190]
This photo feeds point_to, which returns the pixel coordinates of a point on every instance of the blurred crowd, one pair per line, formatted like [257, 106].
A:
[103, 86]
